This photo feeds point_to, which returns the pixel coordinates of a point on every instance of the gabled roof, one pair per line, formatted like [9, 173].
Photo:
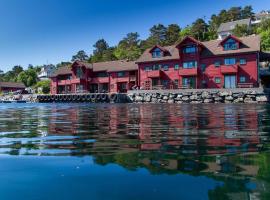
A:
[248, 44]
[191, 39]
[12, 85]
[109, 66]
[159, 47]
[229, 26]
[65, 70]
[147, 56]
[228, 37]
[213, 47]
[114, 66]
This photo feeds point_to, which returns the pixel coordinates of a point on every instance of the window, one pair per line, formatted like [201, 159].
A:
[230, 44]
[217, 80]
[165, 67]
[102, 74]
[203, 67]
[190, 49]
[242, 79]
[176, 66]
[190, 64]
[156, 67]
[165, 82]
[229, 61]
[148, 68]
[121, 74]
[79, 72]
[176, 82]
[217, 63]
[156, 53]
[243, 61]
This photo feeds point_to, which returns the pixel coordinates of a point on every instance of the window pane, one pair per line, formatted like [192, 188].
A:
[242, 79]
[217, 63]
[176, 66]
[229, 61]
[243, 61]
[165, 67]
[217, 80]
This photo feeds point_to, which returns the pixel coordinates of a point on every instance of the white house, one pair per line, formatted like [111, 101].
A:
[46, 71]
[227, 28]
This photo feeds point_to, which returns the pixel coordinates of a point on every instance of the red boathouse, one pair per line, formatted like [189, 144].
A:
[228, 63]
[80, 77]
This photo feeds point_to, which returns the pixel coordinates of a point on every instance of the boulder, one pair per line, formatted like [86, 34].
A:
[165, 97]
[138, 98]
[229, 98]
[262, 98]
[208, 100]
[224, 93]
[148, 98]
[206, 95]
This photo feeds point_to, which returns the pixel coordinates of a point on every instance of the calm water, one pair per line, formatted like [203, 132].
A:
[115, 152]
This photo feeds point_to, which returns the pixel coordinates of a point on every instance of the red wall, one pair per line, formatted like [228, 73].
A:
[250, 70]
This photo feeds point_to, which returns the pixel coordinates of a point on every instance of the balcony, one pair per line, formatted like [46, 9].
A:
[154, 74]
[69, 81]
[132, 78]
[188, 71]
[229, 69]
[100, 80]
[64, 82]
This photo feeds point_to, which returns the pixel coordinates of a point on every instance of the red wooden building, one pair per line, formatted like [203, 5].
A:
[113, 76]
[228, 63]
[11, 86]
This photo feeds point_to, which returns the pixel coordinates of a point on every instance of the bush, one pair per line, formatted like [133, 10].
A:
[44, 85]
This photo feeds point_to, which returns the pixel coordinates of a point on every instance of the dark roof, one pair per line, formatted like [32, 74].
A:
[228, 26]
[12, 85]
[114, 66]
[110, 66]
[213, 47]
[65, 70]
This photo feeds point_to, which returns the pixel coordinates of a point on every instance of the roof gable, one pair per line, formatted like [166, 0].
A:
[158, 47]
[222, 42]
[189, 39]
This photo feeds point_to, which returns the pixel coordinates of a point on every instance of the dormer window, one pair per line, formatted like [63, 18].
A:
[79, 72]
[190, 49]
[230, 44]
[156, 53]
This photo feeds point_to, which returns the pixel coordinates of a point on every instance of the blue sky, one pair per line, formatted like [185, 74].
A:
[49, 31]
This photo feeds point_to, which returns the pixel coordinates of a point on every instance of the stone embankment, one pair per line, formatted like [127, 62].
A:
[197, 96]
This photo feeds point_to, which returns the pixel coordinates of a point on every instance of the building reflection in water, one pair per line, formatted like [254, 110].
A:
[226, 142]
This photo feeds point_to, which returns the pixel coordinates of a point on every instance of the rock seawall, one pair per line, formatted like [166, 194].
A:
[256, 95]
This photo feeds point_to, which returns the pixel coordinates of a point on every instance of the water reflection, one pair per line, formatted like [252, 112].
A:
[228, 143]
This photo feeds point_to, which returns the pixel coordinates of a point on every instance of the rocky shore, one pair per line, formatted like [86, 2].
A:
[257, 95]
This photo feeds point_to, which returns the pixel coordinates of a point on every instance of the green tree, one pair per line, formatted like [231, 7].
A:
[241, 30]
[44, 85]
[265, 40]
[158, 34]
[184, 32]
[247, 12]
[17, 69]
[199, 30]
[102, 52]
[172, 34]
[28, 77]
[128, 48]
[22, 77]
[80, 56]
